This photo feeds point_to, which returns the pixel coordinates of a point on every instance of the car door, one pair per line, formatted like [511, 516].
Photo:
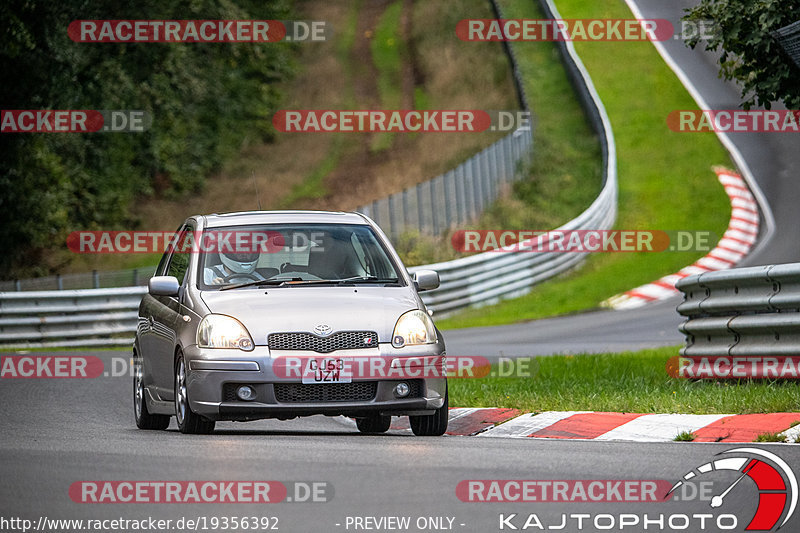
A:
[166, 317]
[144, 328]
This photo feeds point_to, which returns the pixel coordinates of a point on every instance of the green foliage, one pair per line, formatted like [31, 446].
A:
[750, 54]
[206, 101]
[770, 436]
[628, 382]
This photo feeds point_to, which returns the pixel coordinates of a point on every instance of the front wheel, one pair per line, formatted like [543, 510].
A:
[188, 421]
[144, 420]
[431, 425]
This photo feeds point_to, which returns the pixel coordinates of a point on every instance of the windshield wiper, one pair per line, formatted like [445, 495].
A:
[367, 279]
[301, 281]
[260, 282]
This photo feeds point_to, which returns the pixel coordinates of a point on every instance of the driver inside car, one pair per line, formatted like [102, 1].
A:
[232, 264]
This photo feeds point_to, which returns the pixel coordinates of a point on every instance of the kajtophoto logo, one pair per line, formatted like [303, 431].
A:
[775, 482]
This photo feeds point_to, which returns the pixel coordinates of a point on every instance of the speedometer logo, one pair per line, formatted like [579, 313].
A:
[775, 482]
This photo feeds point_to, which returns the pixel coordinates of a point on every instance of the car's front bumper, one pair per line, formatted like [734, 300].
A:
[212, 374]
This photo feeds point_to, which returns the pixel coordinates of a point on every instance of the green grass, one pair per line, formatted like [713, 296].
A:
[685, 436]
[387, 48]
[770, 437]
[666, 180]
[313, 186]
[630, 382]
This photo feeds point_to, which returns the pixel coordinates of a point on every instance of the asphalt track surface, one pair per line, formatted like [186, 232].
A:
[60, 431]
[55, 432]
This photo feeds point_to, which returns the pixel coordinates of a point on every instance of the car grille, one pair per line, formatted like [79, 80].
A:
[325, 392]
[341, 340]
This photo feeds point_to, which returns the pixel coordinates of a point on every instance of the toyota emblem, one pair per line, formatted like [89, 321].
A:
[323, 330]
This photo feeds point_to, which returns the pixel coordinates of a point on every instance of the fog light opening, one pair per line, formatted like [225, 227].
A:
[246, 393]
[402, 389]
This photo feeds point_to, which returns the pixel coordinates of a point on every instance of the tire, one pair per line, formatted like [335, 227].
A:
[374, 424]
[188, 421]
[431, 425]
[144, 420]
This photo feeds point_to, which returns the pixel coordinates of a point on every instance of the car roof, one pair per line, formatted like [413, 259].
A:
[246, 218]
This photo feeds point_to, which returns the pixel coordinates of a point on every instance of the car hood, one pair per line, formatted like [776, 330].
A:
[285, 309]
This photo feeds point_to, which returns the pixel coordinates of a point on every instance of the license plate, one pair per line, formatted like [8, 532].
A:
[327, 370]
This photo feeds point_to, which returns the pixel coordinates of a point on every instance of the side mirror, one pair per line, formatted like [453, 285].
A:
[163, 286]
[426, 280]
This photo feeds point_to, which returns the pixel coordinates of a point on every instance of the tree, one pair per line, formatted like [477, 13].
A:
[205, 100]
[750, 53]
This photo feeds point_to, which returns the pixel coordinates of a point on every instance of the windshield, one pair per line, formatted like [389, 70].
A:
[298, 254]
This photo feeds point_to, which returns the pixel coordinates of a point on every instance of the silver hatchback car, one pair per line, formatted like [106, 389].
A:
[283, 314]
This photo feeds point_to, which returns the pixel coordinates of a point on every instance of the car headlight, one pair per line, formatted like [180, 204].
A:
[413, 327]
[221, 331]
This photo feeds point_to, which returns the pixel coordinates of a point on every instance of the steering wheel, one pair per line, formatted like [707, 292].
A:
[240, 275]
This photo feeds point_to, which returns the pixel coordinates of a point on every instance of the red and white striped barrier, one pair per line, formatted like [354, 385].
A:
[735, 244]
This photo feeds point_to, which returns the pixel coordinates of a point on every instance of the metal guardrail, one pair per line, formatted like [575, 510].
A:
[455, 197]
[89, 317]
[95, 317]
[789, 39]
[82, 280]
[751, 311]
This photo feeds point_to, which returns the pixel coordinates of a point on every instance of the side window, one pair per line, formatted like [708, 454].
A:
[179, 262]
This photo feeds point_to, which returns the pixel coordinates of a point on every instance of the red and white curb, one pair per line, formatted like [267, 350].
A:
[600, 426]
[634, 427]
[735, 244]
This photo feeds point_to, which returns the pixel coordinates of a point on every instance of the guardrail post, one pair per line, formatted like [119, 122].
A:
[374, 214]
[17, 285]
[448, 199]
[469, 192]
[392, 218]
[405, 208]
[461, 200]
[476, 184]
[420, 214]
[95, 279]
[59, 284]
[434, 206]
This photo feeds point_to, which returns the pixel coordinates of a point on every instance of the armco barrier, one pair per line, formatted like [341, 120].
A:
[90, 317]
[751, 311]
[94, 317]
